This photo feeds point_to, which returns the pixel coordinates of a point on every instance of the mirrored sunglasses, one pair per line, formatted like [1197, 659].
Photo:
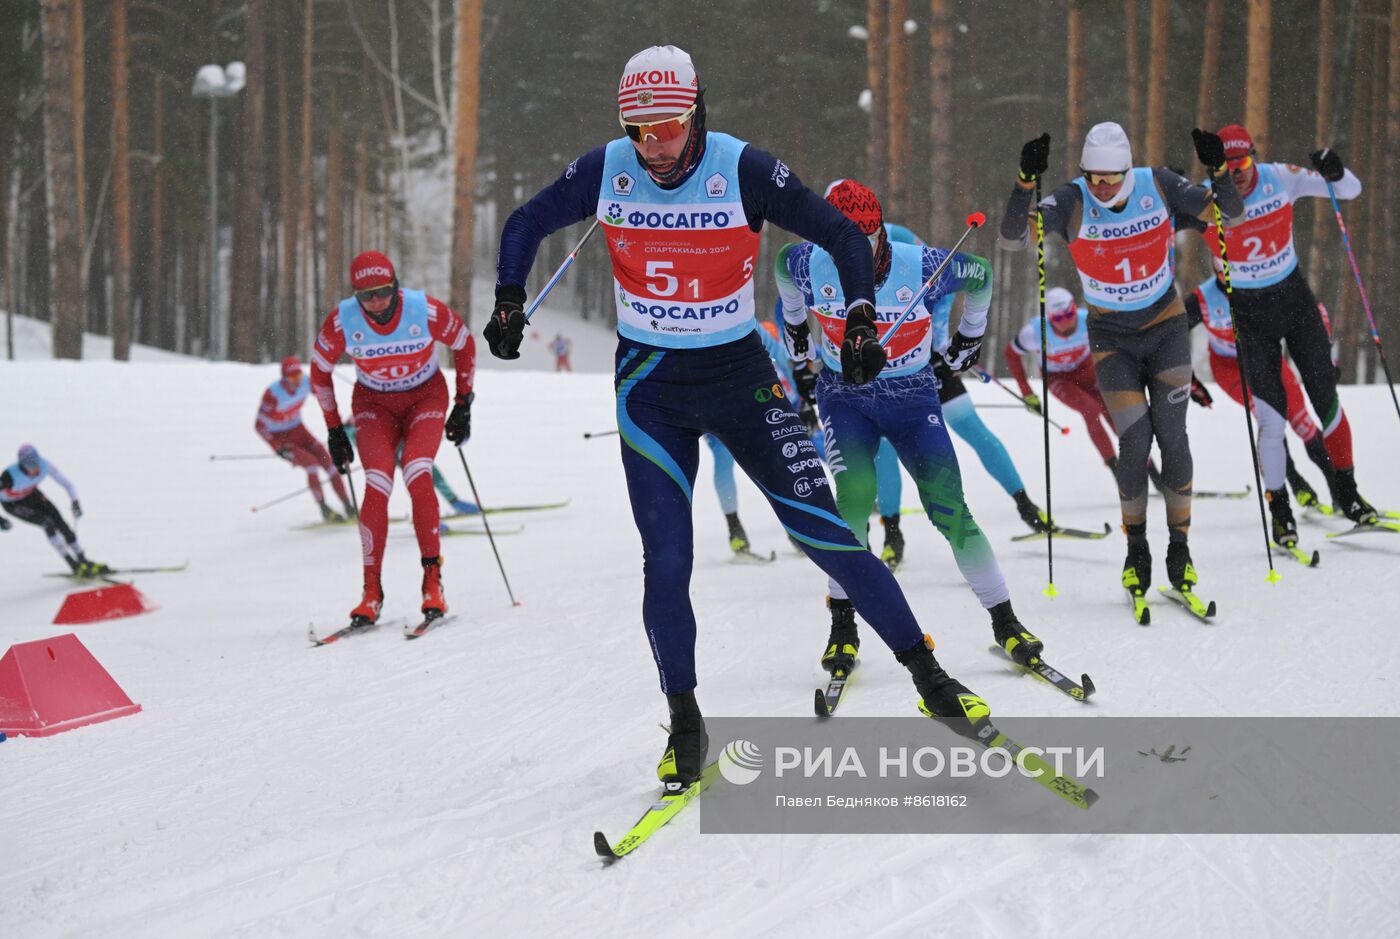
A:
[669, 129]
[377, 293]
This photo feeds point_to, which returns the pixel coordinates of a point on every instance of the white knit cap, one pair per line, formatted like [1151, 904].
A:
[1106, 149]
[658, 82]
[1058, 299]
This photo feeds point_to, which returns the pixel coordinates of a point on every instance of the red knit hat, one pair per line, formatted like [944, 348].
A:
[371, 269]
[858, 204]
[291, 365]
[1237, 141]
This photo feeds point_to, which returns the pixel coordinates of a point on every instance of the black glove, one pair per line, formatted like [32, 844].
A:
[286, 454]
[861, 354]
[4, 523]
[342, 452]
[1199, 394]
[77, 510]
[506, 327]
[1326, 162]
[1035, 157]
[963, 352]
[1210, 149]
[459, 422]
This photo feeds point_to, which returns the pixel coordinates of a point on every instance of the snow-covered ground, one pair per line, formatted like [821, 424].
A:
[450, 786]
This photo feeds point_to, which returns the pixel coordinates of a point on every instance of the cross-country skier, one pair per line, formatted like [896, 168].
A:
[20, 496]
[1271, 300]
[400, 397]
[279, 424]
[1118, 223]
[681, 209]
[1209, 306]
[902, 404]
[1071, 375]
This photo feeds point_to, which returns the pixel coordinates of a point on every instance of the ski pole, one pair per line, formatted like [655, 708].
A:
[1049, 590]
[568, 261]
[293, 494]
[1274, 576]
[974, 221]
[244, 456]
[987, 376]
[1361, 288]
[589, 435]
[485, 521]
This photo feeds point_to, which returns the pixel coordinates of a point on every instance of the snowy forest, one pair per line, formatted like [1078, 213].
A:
[416, 126]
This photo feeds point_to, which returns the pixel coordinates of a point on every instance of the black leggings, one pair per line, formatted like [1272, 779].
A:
[36, 509]
[1145, 380]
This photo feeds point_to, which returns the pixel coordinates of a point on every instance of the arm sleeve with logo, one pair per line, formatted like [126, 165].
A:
[330, 344]
[571, 198]
[966, 273]
[447, 328]
[771, 191]
[1185, 198]
[1056, 209]
[1301, 182]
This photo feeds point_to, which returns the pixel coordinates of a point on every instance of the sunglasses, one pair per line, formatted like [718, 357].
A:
[1241, 163]
[1103, 179]
[669, 129]
[378, 293]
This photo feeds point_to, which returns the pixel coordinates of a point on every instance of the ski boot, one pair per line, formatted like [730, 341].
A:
[433, 603]
[844, 642]
[1030, 512]
[462, 507]
[1013, 638]
[367, 613]
[738, 539]
[1348, 501]
[1180, 571]
[893, 552]
[687, 746]
[328, 514]
[1137, 571]
[350, 513]
[1284, 529]
[943, 697]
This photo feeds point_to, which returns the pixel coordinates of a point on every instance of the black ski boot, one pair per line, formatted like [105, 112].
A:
[1284, 528]
[738, 538]
[350, 513]
[1030, 512]
[1137, 568]
[944, 698]
[1013, 638]
[328, 514]
[893, 552]
[1348, 501]
[844, 642]
[1180, 571]
[686, 747]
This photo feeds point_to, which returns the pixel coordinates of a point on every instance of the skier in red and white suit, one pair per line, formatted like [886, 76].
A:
[279, 423]
[400, 397]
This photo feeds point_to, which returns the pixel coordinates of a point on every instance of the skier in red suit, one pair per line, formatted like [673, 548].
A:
[400, 397]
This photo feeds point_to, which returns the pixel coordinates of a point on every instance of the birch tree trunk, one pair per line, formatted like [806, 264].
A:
[467, 105]
[940, 126]
[121, 185]
[1256, 101]
[60, 180]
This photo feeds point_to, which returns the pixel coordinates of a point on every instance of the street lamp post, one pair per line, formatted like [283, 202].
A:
[215, 82]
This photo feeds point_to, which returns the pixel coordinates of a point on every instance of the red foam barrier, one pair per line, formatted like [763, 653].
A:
[53, 685]
[92, 606]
